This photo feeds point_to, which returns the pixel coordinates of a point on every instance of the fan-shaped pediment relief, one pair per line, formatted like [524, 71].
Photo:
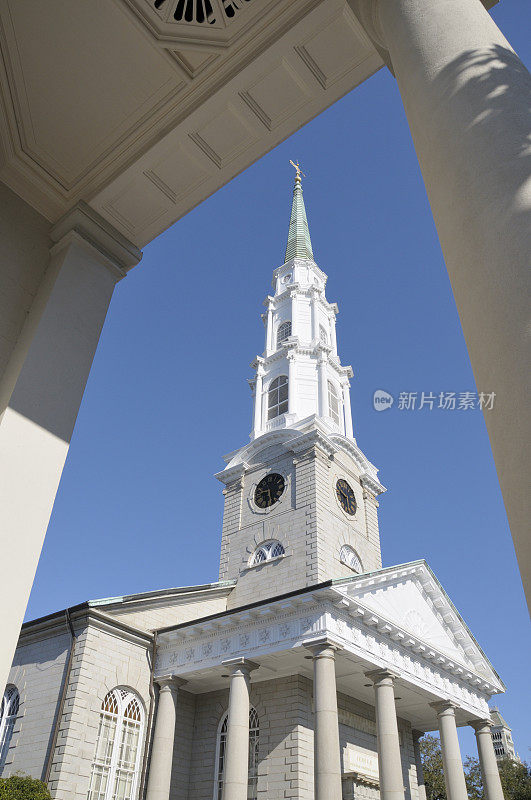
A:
[405, 605]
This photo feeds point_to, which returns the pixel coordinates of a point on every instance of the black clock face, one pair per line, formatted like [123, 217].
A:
[346, 497]
[269, 490]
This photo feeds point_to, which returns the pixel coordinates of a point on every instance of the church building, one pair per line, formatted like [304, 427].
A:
[307, 670]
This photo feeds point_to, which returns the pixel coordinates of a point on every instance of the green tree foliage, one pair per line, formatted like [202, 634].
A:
[474, 783]
[22, 787]
[430, 750]
[515, 777]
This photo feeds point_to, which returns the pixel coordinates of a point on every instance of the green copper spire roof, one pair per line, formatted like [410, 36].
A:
[299, 242]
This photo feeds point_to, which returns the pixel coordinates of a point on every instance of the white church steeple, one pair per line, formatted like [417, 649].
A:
[299, 375]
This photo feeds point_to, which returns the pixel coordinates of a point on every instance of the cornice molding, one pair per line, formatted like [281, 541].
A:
[97, 232]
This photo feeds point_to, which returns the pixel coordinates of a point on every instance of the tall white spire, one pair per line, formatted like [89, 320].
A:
[299, 375]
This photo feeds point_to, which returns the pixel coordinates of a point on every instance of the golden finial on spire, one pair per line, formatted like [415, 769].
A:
[297, 170]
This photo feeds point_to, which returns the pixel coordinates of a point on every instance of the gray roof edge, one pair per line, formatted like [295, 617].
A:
[218, 586]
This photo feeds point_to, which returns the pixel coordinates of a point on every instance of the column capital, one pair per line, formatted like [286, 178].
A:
[84, 223]
[381, 676]
[444, 707]
[481, 725]
[322, 647]
[240, 665]
[169, 682]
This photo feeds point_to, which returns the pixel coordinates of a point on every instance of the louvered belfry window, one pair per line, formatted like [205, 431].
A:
[277, 397]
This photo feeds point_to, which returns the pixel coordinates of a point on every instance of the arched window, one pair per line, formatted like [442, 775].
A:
[323, 336]
[267, 552]
[8, 715]
[277, 397]
[333, 402]
[348, 556]
[254, 731]
[284, 331]
[116, 764]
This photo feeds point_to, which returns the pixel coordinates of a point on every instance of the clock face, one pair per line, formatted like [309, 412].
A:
[346, 497]
[269, 490]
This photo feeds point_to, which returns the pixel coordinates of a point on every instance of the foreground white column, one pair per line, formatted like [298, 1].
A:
[418, 763]
[327, 760]
[454, 777]
[40, 394]
[236, 773]
[159, 781]
[466, 95]
[389, 759]
[487, 760]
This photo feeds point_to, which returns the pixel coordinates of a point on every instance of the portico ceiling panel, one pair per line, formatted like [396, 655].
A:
[114, 97]
[75, 93]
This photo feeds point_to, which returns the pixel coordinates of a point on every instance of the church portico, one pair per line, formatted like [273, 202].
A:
[345, 651]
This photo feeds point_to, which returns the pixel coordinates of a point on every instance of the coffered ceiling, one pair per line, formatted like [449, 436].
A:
[143, 108]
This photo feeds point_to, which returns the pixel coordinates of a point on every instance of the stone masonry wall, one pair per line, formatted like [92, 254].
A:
[286, 747]
[308, 521]
[37, 672]
[102, 661]
[165, 613]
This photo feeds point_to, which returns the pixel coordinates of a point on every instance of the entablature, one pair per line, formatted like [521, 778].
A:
[275, 634]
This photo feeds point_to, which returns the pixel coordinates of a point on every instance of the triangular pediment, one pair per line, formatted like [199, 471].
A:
[409, 601]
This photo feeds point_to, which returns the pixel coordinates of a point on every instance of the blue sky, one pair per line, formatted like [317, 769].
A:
[138, 508]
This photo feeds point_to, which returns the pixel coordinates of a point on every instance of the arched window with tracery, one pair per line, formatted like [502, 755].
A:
[277, 397]
[116, 765]
[8, 716]
[267, 552]
[348, 556]
[323, 336]
[333, 402]
[284, 332]
[221, 746]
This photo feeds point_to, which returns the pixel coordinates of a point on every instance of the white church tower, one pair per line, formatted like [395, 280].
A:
[301, 493]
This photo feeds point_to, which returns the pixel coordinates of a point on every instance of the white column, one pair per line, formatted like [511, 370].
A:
[327, 759]
[269, 329]
[294, 314]
[418, 764]
[323, 386]
[487, 760]
[292, 384]
[333, 334]
[236, 773]
[159, 780]
[258, 389]
[41, 391]
[454, 777]
[348, 411]
[389, 760]
[315, 316]
[466, 95]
